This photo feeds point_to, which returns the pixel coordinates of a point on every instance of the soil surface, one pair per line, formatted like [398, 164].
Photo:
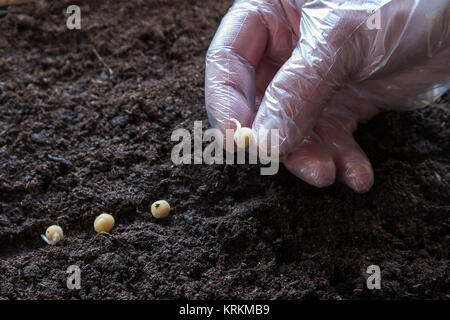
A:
[76, 141]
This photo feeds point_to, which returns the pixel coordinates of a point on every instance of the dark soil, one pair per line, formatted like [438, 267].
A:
[76, 141]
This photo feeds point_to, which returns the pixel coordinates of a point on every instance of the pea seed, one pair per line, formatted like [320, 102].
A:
[160, 209]
[242, 135]
[104, 223]
[53, 235]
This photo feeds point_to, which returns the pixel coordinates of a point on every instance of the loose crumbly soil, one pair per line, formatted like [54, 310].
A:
[76, 141]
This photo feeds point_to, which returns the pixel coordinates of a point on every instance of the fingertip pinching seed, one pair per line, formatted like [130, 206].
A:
[160, 209]
[104, 223]
[242, 136]
[53, 235]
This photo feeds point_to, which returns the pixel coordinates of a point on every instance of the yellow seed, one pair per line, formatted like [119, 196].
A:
[243, 137]
[104, 223]
[54, 234]
[160, 209]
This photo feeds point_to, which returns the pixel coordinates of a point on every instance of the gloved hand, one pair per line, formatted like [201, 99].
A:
[314, 69]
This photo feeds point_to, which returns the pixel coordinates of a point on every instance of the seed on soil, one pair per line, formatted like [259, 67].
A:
[104, 223]
[242, 135]
[53, 235]
[160, 209]
[243, 138]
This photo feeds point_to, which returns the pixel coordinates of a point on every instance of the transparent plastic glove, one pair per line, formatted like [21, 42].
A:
[314, 69]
